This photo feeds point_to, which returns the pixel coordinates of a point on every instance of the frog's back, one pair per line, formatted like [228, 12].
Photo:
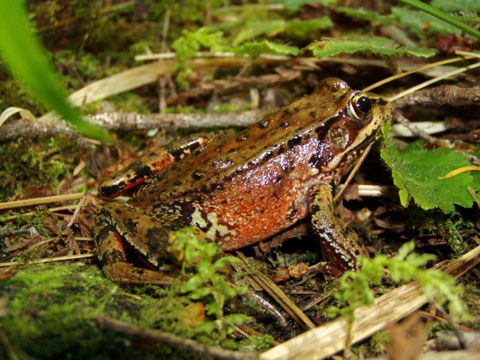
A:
[280, 143]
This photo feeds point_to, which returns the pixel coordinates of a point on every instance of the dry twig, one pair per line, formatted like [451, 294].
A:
[175, 341]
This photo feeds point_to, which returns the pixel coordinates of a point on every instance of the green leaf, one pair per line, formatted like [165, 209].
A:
[368, 15]
[443, 16]
[421, 23]
[462, 5]
[265, 47]
[252, 29]
[416, 173]
[308, 28]
[23, 53]
[294, 5]
[190, 43]
[373, 44]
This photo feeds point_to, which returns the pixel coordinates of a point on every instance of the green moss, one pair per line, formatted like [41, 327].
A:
[27, 163]
[52, 310]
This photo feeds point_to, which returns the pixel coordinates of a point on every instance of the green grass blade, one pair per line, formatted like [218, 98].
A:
[443, 16]
[23, 53]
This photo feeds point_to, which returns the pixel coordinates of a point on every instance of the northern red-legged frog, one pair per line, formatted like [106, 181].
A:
[239, 188]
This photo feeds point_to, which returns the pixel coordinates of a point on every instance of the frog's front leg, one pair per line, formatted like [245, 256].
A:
[341, 243]
[120, 227]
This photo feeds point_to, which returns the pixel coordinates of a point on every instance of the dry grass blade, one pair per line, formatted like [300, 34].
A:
[418, 69]
[353, 172]
[38, 201]
[280, 297]
[47, 260]
[136, 77]
[328, 339]
[434, 80]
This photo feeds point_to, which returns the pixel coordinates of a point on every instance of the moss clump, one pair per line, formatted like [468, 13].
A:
[52, 312]
[27, 163]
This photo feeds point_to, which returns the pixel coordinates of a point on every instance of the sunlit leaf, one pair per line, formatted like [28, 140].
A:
[416, 173]
[373, 44]
[22, 52]
[265, 47]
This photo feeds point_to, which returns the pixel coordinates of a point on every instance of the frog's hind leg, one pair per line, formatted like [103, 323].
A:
[341, 243]
[119, 228]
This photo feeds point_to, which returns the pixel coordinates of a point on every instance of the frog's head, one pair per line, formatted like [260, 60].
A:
[357, 121]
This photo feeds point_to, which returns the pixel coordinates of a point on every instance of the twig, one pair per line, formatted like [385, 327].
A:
[282, 299]
[173, 340]
[442, 95]
[328, 339]
[76, 212]
[129, 121]
[38, 201]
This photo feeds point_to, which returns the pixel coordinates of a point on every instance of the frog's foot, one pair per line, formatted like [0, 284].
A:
[340, 242]
[113, 260]
[120, 228]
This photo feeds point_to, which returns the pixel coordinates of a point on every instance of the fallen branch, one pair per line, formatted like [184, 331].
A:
[173, 340]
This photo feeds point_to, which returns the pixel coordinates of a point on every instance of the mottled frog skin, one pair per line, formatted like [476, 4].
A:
[239, 188]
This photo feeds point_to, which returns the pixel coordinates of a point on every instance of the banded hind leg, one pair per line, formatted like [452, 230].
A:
[122, 232]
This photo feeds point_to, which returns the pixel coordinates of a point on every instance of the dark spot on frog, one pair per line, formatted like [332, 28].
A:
[243, 137]
[314, 209]
[315, 161]
[138, 271]
[233, 150]
[218, 187]
[112, 257]
[131, 225]
[281, 149]
[379, 101]
[177, 183]
[157, 239]
[279, 178]
[197, 175]
[313, 114]
[321, 131]
[296, 109]
[267, 155]
[101, 233]
[264, 123]
[297, 139]
[110, 190]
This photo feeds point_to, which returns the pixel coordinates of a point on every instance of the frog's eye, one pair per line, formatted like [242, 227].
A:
[360, 107]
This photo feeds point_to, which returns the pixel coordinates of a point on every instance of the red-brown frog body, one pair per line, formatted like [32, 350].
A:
[239, 188]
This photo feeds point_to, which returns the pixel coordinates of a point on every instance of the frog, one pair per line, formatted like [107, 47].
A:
[238, 188]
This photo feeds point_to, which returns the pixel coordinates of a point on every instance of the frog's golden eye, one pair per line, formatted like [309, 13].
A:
[360, 106]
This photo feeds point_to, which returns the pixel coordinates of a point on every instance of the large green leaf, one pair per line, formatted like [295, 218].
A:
[417, 171]
[421, 23]
[462, 5]
[373, 44]
[25, 56]
[255, 48]
[443, 16]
